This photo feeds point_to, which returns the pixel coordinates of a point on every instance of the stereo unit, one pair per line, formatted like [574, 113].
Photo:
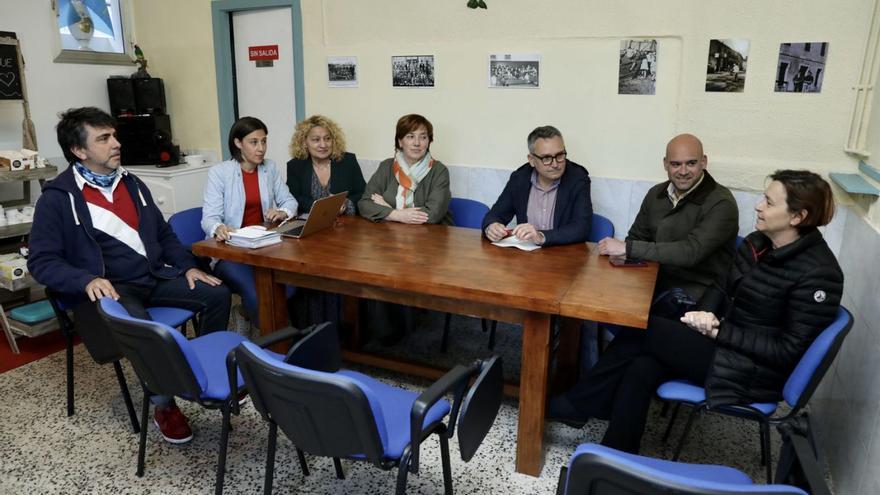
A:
[121, 93]
[146, 140]
[149, 95]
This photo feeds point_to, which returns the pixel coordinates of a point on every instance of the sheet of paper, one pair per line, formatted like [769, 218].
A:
[252, 232]
[512, 241]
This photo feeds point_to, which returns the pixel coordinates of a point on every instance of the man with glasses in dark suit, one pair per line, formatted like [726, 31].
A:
[549, 196]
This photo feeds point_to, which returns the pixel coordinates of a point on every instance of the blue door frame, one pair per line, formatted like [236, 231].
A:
[221, 18]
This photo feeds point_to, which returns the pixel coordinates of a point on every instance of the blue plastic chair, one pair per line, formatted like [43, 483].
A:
[797, 390]
[338, 413]
[599, 470]
[600, 228]
[97, 339]
[469, 214]
[187, 226]
[201, 370]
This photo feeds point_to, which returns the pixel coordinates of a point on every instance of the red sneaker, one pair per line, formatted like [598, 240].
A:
[172, 423]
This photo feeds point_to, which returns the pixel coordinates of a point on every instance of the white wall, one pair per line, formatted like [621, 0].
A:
[747, 135]
[51, 87]
[846, 407]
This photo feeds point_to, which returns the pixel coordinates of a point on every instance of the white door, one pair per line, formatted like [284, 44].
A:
[266, 93]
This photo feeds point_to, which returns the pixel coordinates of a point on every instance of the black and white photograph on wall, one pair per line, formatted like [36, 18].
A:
[342, 72]
[801, 67]
[638, 67]
[727, 65]
[412, 71]
[508, 70]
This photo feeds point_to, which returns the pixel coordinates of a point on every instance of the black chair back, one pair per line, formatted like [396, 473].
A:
[480, 407]
[93, 331]
[322, 414]
[152, 351]
[592, 474]
[844, 317]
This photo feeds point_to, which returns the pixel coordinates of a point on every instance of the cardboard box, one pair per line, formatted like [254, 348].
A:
[13, 269]
[18, 160]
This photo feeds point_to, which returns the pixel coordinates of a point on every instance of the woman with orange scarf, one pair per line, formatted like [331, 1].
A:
[412, 187]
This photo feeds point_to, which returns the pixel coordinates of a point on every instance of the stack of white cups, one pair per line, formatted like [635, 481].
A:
[13, 216]
[27, 214]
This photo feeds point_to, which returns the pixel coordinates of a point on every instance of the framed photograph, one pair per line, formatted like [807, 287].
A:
[508, 70]
[93, 31]
[801, 67]
[726, 65]
[637, 73]
[342, 72]
[412, 71]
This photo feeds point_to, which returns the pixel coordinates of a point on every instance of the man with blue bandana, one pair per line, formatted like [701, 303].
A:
[97, 232]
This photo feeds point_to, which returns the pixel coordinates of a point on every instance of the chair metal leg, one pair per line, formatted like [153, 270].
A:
[69, 338]
[270, 458]
[447, 468]
[671, 420]
[224, 443]
[687, 429]
[492, 328]
[761, 433]
[337, 464]
[302, 461]
[403, 472]
[142, 446]
[445, 339]
[766, 451]
[126, 396]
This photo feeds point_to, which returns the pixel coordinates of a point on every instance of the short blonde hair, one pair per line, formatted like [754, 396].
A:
[298, 147]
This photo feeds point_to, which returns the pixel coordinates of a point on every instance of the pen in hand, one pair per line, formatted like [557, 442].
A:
[283, 222]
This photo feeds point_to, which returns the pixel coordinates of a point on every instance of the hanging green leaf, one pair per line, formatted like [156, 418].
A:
[472, 4]
[482, 4]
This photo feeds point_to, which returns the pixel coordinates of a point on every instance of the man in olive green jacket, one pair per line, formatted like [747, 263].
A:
[688, 224]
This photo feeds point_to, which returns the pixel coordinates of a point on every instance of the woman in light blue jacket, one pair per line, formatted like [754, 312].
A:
[240, 192]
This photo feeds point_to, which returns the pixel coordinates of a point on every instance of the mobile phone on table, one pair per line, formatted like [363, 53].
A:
[623, 261]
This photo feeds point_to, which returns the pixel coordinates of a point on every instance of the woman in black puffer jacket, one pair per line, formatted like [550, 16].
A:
[783, 289]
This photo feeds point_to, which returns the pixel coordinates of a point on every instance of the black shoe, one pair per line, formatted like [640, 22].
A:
[561, 410]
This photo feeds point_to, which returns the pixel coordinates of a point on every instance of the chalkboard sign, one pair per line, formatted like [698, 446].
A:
[10, 79]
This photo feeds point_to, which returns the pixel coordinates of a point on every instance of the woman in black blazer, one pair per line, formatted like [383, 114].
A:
[320, 165]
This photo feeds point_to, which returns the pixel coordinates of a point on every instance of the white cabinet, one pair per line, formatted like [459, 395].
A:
[174, 188]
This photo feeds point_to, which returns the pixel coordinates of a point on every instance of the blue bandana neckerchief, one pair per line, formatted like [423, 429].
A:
[96, 179]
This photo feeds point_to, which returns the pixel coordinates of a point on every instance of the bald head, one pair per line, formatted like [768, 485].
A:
[684, 162]
[689, 142]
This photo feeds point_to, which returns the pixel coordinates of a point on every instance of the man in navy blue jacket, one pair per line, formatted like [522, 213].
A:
[97, 232]
[549, 196]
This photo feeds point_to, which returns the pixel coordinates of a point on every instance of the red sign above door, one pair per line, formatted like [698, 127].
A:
[265, 52]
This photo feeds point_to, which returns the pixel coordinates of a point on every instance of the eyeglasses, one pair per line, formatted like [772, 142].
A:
[547, 160]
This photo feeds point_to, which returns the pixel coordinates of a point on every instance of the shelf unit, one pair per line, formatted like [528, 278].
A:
[25, 177]
[13, 328]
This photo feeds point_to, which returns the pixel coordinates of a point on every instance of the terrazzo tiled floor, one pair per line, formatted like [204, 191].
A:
[43, 451]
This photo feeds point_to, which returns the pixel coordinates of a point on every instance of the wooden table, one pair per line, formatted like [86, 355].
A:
[453, 270]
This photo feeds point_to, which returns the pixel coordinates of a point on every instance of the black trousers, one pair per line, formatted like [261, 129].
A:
[620, 386]
[211, 301]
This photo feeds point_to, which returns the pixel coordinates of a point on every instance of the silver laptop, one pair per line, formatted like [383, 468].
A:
[322, 216]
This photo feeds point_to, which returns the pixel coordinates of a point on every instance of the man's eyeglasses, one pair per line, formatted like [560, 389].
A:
[547, 160]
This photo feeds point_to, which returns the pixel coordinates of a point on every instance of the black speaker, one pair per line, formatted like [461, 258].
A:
[149, 96]
[146, 140]
[121, 92]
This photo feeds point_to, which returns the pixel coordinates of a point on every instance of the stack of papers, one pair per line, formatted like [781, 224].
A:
[253, 237]
[513, 241]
